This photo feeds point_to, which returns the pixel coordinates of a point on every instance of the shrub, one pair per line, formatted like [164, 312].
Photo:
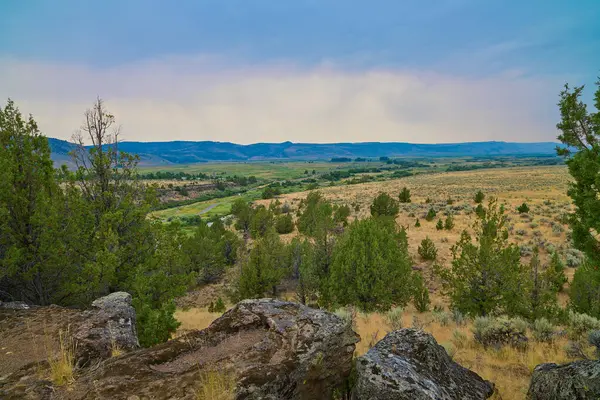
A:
[404, 195]
[450, 201]
[440, 225]
[431, 214]
[449, 223]
[459, 339]
[459, 318]
[523, 208]
[219, 306]
[441, 316]
[394, 318]
[384, 205]
[284, 224]
[521, 232]
[421, 293]
[594, 340]
[417, 223]
[480, 211]
[428, 201]
[574, 258]
[581, 324]
[479, 196]
[543, 330]
[499, 332]
[427, 249]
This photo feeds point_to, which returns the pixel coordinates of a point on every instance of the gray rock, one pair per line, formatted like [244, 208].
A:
[409, 364]
[14, 305]
[275, 349]
[578, 380]
[109, 327]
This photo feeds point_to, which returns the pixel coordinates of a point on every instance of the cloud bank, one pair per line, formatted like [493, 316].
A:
[205, 98]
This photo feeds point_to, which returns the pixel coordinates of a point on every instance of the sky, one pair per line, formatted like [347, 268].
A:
[247, 71]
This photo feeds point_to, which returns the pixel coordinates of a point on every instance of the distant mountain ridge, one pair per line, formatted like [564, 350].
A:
[188, 152]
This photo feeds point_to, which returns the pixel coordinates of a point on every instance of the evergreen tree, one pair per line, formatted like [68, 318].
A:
[580, 134]
[440, 225]
[556, 272]
[427, 249]
[431, 214]
[417, 223]
[264, 269]
[284, 224]
[371, 266]
[420, 293]
[304, 269]
[486, 275]
[317, 217]
[449, 223]
[541, 293]
[384, 206]
[479, 196]
[404, 195]
[261, 221]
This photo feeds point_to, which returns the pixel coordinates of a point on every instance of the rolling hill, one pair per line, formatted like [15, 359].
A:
[183, 152]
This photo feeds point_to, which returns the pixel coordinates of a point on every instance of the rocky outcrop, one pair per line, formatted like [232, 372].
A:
[107, 328]
[578, 380]
[30, 335]
[409, 364]
[274, 349]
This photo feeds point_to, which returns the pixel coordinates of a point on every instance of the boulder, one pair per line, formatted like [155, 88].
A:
[409, 364]
[107, 328]
[578, 380]
[273, 350]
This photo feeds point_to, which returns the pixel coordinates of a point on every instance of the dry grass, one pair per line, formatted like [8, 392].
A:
[509, 369]
[216, 385]
[62, 365]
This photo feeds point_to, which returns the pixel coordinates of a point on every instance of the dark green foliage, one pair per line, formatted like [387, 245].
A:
[440, 225]
[541, 294]
[420, 293]
[486, 274]
[450, 201]
[431, 214]
[417, 223]
[341, 214]
[270, 192]
[317, 216]
[580, 133]
[384, 206]
[371, 266]
[479, 196]
[90, 236]
[584, 291]
[428, 201]
[265, 267]
[219, 306]
[404, 195]
[523, 208]
[284, 224]
[449, 223]
[304, 269]
[261, 221]
[242, 211]
[556, 272]
[480, 211]
[427, 249]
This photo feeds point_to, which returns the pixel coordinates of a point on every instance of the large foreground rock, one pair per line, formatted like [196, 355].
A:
[275, 349]
[29, 335]
[107, 328]
[408, 364]
[578, 380]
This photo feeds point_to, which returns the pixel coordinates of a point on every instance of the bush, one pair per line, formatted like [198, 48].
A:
[219, 306]
[581, 324]
[594, 340]
[523, 208]
[441, 316]
[284, 224]
[499, 332]
[543, 330]
[459, 339]
[440, 225]
[449, 223]
[427, 249]
[394, 318]
[417, 223]
[384, 205]
[404, 195]
[479, 196]
[431, 214]
[458, 318]
[421, 294]
[480, 211]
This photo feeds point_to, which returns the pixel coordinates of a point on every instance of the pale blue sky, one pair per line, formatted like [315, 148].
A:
[211, 65]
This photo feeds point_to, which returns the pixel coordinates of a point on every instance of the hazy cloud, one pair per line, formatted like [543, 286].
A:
[205, 98]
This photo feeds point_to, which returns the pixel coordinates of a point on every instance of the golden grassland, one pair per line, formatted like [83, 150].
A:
[509, 369]
[542, 188]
